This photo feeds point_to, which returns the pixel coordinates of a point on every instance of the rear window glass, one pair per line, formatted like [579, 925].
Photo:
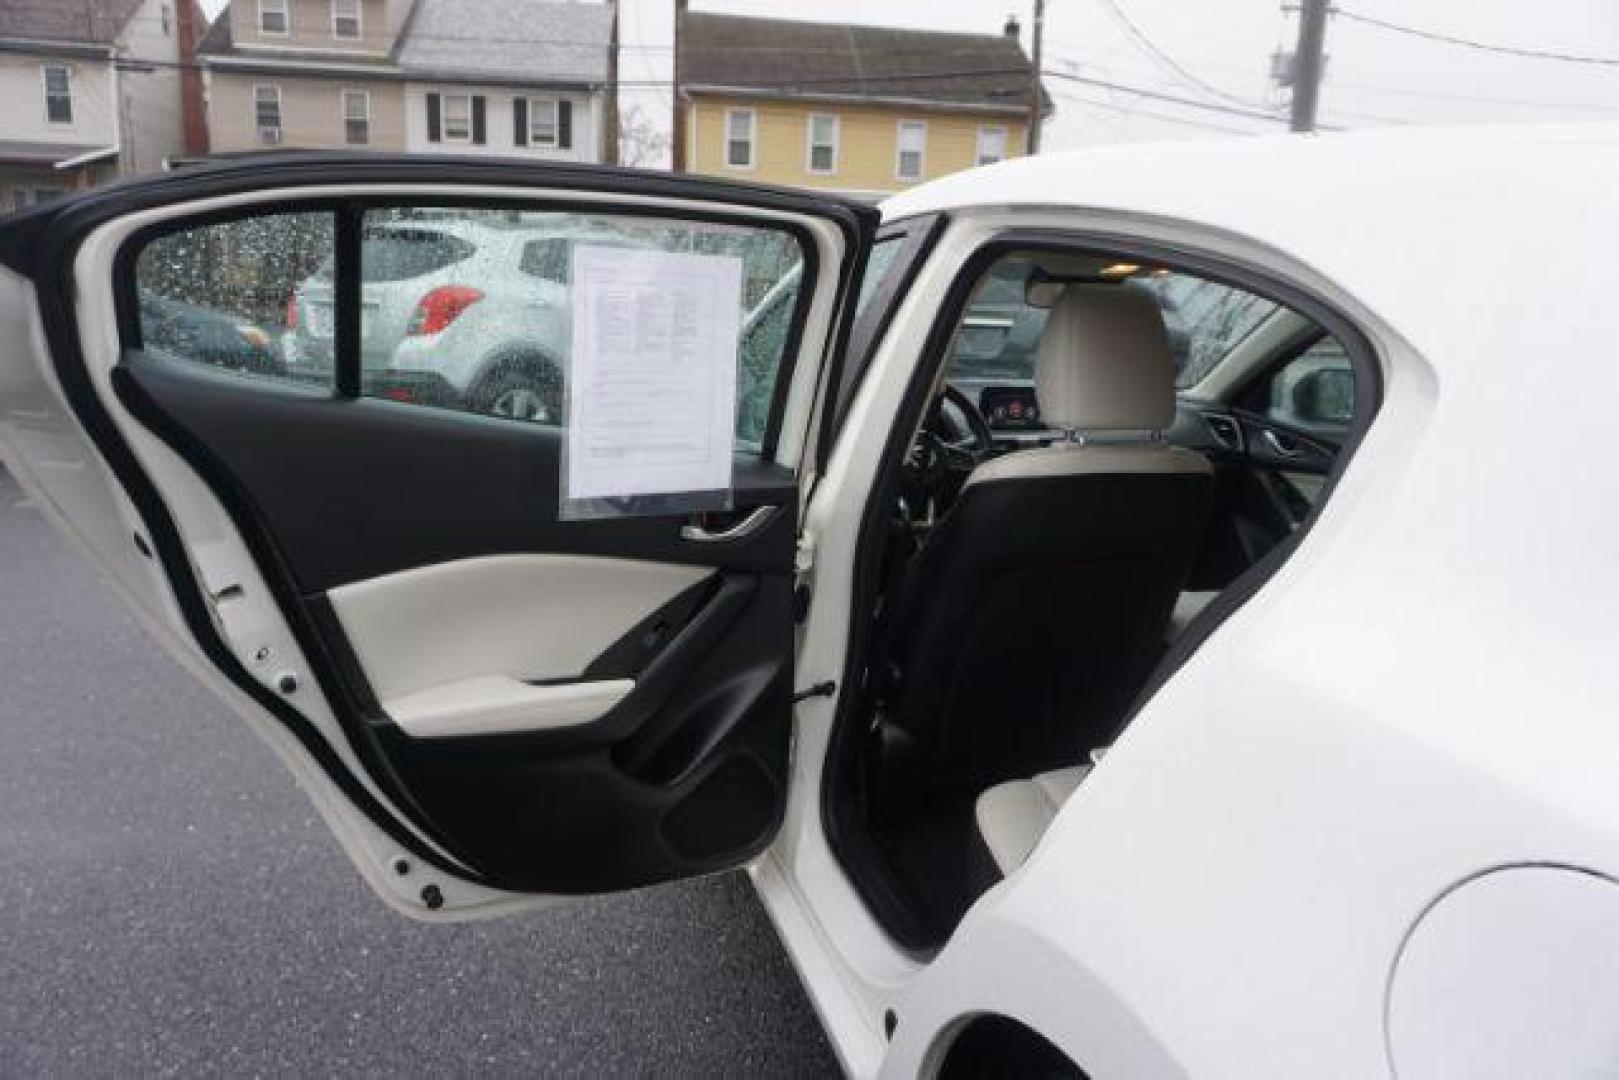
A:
[547, 259]
[401, 254]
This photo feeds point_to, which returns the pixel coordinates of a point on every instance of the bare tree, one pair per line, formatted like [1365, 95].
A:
[640, 143]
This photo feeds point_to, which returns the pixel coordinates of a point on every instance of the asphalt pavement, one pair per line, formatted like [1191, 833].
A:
[171, 904]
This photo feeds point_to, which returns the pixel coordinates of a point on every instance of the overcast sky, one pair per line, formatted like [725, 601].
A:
[1375, 77]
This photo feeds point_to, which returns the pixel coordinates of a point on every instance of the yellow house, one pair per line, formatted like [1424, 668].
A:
[860, 110]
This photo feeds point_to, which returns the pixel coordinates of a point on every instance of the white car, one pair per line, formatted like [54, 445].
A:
[1257, 726]
[428, 336]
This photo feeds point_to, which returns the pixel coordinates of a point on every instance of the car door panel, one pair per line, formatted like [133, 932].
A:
[537, 618]
[503, 733]
[491, 485]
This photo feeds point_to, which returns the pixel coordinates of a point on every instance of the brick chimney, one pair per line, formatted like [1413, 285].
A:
[189, 26]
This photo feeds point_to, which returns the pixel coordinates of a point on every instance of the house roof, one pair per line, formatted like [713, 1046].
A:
[787, 58]
[80, 21]
[524, 40]
[218, 43]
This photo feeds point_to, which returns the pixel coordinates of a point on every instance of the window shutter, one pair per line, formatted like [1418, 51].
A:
[434, 111]
[478, 132]
[565, 125]
[519, 121]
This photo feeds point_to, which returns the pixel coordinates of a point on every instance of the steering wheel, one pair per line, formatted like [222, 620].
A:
[954, 440]
[965, 449]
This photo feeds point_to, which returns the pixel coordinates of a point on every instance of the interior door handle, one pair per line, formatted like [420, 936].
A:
[1275, 444]
[752, 523]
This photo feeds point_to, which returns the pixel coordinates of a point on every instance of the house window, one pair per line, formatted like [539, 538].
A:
[166, 14]
[26, 197]
[913, 144]
[823, 144]
[991, 143]
[542, 121]
[346, 19]
[267, 113]
[457, 117]
[739, 125]
[273, 17]
[58, 94]
[357, 117]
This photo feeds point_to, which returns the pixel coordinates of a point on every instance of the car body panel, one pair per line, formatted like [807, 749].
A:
[1379, 721]
[1419, 694]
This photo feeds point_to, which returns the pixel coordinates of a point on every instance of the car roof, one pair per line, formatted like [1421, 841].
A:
[1218, 168]
[1421, 226]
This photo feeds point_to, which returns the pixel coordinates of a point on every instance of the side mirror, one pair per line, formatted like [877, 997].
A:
[1325, 396]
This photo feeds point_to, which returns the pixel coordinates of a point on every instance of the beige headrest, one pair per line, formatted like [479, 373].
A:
[1104, 362]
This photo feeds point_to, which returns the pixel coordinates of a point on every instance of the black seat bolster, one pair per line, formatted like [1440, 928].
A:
[1024, 628]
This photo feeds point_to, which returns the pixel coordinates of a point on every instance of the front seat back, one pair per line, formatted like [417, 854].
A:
[1022, 630]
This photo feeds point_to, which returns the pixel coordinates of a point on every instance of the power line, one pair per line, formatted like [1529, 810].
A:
[1480, 46]
[1163, 59]
[1442, 95]
[1156, 95]
[896, 78]
[1136, 111]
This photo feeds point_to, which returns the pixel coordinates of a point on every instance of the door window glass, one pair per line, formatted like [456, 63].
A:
[1314, 391]
[470, 309]
[878, 263]
[226, 295]
[466, 309]
[1206, 319]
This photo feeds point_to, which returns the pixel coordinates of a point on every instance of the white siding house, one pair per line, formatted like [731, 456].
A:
[523, 78]
[517, 121]
[542, 71]
[91, 90]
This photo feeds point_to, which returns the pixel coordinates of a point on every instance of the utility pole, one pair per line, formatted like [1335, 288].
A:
[677, 118]
[1307, 63]
[1036, 91]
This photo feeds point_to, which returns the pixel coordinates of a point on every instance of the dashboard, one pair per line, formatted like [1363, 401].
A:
[1009, 408]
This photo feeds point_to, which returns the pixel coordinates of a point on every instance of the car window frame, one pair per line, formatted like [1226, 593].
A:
[917, 237]
[349, 213]
[848, 846]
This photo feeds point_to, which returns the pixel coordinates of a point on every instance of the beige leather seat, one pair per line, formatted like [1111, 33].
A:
[1023, 629]
[1012, 817]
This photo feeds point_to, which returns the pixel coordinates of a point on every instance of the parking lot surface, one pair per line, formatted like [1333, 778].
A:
[170, 902]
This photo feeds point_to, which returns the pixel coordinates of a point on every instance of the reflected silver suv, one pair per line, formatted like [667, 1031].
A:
[463, 313]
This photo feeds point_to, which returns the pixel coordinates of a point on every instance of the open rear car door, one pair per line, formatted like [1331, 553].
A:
[304, 413]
